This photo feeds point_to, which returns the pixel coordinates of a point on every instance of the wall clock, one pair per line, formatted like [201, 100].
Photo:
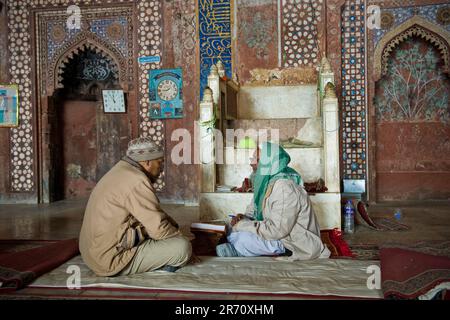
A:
[113, 101]
[166, 93]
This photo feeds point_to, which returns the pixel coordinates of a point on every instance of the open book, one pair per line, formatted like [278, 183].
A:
[212, 226]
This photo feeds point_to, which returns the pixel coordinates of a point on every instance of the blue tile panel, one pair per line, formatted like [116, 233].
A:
[214, 18]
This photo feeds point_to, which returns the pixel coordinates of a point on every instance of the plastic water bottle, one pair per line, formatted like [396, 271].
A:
[398, 214]
[349, 217]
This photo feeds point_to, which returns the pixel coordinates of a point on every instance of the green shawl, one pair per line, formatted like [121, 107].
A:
[272, 165]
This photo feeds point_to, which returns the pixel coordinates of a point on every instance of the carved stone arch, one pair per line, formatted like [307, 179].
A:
[82, 42]
[416, 26]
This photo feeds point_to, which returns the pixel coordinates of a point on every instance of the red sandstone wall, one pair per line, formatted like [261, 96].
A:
[4, 132]
[409, 157]
[257, 38]
[180, 43]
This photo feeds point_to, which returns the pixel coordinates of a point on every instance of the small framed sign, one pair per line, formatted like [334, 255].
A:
[113, 101]
[149, 59]
[354, 186]
[9, 105]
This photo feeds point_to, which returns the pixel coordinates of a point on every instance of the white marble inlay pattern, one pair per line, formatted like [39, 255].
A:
[22, 149]
[299, 32]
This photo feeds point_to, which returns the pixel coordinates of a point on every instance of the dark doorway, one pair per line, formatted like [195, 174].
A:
[84, 141]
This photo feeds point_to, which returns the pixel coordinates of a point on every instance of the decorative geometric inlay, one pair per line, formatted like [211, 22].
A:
[57, 36]
[149, 39]
[112, 29]
[115, 31]
[300, 19]
[353, 90]
[149, 42]
[443, 15]
[58, 33]
[387, 20]
[438, 13]
[22, 162]
[93, 32]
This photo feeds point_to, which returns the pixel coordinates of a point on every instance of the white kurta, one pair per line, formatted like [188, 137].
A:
[289, 217]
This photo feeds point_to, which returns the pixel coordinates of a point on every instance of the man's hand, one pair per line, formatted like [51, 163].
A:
[236, 219]
[172, 221]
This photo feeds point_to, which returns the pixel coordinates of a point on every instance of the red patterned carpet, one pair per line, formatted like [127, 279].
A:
[408, 272]
[22, 261]
[30, 259]
[16, 245]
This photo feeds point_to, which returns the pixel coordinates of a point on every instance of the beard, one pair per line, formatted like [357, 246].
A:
[153, 178]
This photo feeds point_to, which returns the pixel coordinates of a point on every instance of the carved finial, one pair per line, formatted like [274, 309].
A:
[326, 66]
[213, 71]
[330, 90]
[235, 78]
[207, 95]
[220, 68]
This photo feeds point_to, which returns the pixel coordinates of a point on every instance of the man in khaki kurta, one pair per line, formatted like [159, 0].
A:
[124, 230]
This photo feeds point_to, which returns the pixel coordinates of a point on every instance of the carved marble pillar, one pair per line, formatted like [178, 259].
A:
[214, 83]
[206, 133]
[326, 76]
[331, 138]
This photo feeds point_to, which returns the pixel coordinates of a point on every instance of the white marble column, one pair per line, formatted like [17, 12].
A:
[214, 83]
[331, 138]
[326, 76]
[206, 132]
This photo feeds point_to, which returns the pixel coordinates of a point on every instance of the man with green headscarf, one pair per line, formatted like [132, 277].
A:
[280, 220]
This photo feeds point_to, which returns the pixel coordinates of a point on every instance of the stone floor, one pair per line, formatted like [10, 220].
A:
[427, 221]
[62, 220]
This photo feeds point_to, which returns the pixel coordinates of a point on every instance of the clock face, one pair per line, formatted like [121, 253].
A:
[113, 101]
[167, 90]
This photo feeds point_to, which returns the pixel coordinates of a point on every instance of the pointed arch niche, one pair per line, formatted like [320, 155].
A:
[57, 50]
[419, 170]
[414, 27]
[85, 41]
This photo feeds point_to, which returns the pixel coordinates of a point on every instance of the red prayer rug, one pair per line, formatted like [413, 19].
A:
[19, 267]
[410, 273]
[16, 245]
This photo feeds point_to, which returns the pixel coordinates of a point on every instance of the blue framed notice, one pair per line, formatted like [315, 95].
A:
[166, 93]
